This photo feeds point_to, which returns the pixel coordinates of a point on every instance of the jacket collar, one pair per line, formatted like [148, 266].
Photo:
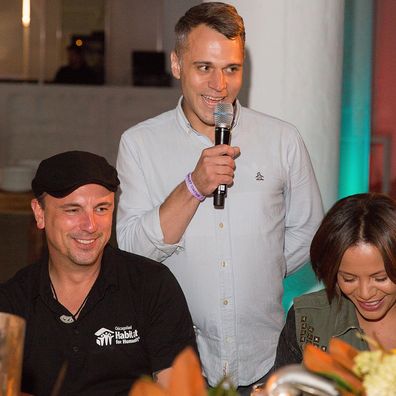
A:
[346, 318]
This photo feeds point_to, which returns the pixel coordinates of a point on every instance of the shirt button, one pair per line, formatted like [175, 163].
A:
[225, 302]
[221, 225]
[76, 331]
[223, 264]
[76, 349]
[229, 340]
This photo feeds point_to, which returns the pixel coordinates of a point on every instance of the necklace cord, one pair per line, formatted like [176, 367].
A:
[75, 315]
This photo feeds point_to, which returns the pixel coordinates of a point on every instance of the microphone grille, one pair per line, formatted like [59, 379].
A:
[223, 115]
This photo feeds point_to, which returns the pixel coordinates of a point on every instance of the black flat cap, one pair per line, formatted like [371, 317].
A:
[61, 174]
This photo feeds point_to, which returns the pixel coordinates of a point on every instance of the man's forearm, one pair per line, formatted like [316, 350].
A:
[176, 213]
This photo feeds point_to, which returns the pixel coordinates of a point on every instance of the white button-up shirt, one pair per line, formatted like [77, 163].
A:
[230, 262]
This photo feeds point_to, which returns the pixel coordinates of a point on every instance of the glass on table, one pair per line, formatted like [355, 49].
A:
[12, 337]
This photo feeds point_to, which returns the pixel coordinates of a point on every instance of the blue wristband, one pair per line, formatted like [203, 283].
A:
[193, 190]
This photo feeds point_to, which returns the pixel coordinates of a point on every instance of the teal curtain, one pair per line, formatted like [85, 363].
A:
[301, 282]
[356, 98]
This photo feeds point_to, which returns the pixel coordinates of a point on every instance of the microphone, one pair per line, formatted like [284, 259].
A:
[223, 116]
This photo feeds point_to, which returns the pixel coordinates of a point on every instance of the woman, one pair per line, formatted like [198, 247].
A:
[354, 254]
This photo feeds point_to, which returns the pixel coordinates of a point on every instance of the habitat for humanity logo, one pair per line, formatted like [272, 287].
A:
[121, 335]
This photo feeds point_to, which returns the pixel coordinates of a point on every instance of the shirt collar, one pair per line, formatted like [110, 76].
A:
[186, 126]
[43, 287]
[107, 277]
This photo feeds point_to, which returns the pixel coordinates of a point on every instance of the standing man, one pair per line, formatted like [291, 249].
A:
[230, 262]
[97, 318]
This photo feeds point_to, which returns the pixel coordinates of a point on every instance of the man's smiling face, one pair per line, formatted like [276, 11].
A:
[77, 226]
[210, 70]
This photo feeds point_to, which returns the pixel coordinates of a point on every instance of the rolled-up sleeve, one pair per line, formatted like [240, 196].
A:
[138, 222]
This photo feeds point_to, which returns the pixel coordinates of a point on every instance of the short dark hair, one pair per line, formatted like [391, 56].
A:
[221, 17]
[360, 218]
[41, 200]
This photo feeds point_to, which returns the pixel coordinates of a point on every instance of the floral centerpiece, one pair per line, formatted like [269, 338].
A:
[186, 380]
[354, 373]
[363, 373]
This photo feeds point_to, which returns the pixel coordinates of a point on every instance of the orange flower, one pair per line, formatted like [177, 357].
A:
[336, 365]
[186, 379]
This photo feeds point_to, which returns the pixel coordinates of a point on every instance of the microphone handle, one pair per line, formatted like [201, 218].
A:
[222, 136]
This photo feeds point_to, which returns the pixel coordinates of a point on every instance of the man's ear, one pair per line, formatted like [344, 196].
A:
[38, 212]
[175, 65]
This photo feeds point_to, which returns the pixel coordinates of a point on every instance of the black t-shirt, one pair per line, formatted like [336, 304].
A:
[134, 323]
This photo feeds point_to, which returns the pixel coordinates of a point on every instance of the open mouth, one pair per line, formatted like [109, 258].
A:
[370, 305]
[85, 241]
[212, 101]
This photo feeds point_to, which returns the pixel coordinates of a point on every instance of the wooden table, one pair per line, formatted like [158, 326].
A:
[15, 202]
[18, 204]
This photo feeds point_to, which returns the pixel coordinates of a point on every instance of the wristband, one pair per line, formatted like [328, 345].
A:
[193, 190]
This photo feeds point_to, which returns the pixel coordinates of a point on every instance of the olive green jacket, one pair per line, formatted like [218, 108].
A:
[312, 319]
[317, 321]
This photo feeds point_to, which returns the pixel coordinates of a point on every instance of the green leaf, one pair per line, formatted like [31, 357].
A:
[224, 388]
[341, 382]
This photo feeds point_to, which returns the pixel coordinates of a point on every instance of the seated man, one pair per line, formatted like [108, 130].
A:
[76, 71]
[105, 316]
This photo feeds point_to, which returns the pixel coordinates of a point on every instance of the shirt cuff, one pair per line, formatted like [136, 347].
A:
[152, 226]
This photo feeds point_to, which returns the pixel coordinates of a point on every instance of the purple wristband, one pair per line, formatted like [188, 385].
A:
[193, 190]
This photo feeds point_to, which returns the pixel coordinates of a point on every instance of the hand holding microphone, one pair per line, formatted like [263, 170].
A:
[223, 116]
